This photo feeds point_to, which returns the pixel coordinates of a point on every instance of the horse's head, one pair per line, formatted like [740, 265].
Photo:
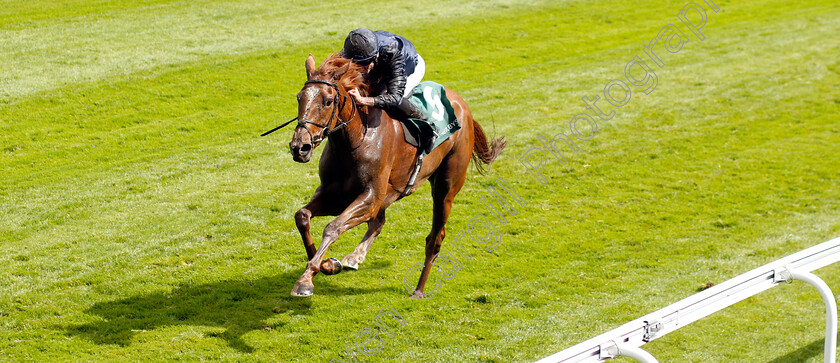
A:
[320, 104]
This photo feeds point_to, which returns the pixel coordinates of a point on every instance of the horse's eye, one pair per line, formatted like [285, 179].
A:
[328, 102]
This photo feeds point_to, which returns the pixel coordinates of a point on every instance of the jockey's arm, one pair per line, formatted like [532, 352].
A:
[359, 99]
[395, 63]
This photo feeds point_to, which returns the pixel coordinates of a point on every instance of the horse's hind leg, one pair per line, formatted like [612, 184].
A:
[353, 260]
[446, 183]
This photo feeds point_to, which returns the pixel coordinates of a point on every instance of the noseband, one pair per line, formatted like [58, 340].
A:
[328, 128]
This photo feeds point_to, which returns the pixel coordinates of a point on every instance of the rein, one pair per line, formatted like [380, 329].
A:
[327, 129]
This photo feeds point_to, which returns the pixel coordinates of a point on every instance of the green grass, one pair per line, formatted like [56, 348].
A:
[143, 218]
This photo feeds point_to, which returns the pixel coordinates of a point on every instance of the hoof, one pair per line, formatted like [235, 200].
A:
[302, 290]
[349, 263]
[331, 266]
[418, 295]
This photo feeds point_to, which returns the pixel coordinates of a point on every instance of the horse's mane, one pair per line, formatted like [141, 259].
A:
[354, 77]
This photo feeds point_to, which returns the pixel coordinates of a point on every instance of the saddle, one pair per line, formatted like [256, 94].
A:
[430, 98]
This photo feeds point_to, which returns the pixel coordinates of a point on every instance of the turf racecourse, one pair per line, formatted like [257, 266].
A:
[144, 219]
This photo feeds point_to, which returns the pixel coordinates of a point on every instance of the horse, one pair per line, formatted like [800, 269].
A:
[366, 165]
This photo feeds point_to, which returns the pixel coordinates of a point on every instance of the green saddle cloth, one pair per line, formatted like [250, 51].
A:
[430, 97]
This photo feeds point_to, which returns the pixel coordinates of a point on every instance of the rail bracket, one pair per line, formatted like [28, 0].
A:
[782, 274]
[608, 350]
[652, 329]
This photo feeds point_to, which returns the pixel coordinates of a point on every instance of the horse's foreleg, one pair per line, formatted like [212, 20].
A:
[361, 210]
[353, 260]
[314, 208]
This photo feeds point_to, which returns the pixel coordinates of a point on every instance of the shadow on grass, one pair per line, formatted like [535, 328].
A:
[802, 354]
[239, 306]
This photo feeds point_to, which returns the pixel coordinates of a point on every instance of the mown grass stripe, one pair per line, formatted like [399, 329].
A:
[173, 239]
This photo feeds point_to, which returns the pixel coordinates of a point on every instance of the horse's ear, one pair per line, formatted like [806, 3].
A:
[341, 71]
[310, 66]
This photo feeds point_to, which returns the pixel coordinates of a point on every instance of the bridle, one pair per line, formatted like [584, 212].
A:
[335, 115]
[328, 128]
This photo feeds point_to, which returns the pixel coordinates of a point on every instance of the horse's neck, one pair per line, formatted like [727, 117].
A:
[354, 132]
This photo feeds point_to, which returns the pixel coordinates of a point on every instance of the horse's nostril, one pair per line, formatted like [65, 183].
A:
[305, 148]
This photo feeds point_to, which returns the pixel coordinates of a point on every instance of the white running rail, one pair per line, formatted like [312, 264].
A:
[626, 339]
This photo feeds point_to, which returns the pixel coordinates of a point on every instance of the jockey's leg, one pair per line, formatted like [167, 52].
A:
[413, 79]
[409, 110]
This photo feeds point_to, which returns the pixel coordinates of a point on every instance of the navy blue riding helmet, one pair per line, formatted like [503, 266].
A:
[361, 46]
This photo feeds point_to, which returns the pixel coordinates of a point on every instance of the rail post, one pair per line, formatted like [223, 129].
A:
[788, 274]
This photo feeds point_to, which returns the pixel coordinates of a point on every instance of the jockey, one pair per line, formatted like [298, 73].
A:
[392, 63]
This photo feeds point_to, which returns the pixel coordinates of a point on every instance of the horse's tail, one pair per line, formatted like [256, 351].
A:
[484, 154]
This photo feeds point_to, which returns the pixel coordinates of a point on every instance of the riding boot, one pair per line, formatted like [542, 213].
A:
[427, 139]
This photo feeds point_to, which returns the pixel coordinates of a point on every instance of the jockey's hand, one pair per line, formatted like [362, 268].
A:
[359, 99]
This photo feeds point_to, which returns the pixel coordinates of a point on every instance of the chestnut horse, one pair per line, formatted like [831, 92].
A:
[366, 165]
